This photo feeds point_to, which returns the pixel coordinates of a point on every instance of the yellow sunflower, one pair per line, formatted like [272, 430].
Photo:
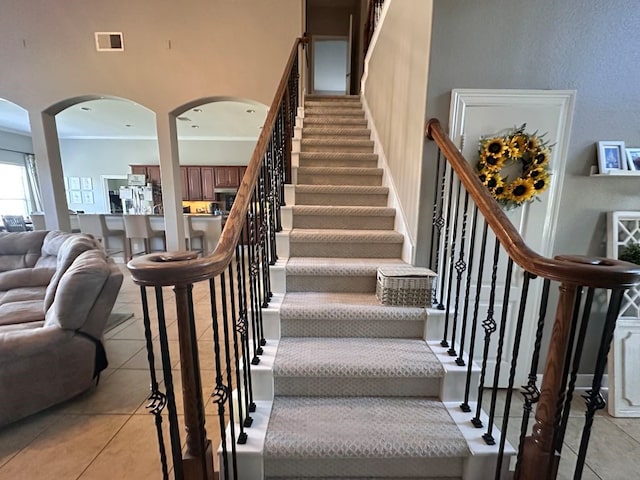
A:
[494, 147]
[541, 183]
[492, 163]
[520, 190]
[517, 145]
[494, 181]
[536, 172]
[533, 142]
[541, 158]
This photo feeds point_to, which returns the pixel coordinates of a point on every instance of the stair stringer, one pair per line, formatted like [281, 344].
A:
[409, 246]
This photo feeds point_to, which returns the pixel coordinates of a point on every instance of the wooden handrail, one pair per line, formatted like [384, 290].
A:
[181, 268]
[572, 269]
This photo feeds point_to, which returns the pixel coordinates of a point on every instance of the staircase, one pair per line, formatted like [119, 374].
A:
[356, 390]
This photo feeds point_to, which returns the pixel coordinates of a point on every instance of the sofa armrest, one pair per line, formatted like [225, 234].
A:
[25, 343]
[25, 277]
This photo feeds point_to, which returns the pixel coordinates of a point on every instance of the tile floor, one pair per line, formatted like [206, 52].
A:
[107, 433]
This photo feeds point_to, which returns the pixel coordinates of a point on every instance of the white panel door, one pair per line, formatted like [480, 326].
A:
[478, 113]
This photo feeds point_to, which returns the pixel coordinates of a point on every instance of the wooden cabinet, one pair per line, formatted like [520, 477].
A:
[208, 183]
[198, 183]
[226, 177]
[194, 179]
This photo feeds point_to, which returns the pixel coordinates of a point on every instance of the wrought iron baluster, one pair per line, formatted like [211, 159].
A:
[489, 325]
[452, 267]
[243, 327]
[461, 267]
[257, 350]
[258, 279]
[488, 436]
[530, 392]
[593, 397]
[435, 216]
[472, 342]
[221, 392]
[512, 372]
[584, 323]
[460, 360]
[449, 273]
[229, 376]
[242, 436]
[174, 434]
[157, 399]
[439, 222]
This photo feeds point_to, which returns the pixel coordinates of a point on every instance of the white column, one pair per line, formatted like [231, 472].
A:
[46, 147]
[171, 181]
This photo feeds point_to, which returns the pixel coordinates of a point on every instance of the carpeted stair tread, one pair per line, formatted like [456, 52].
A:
[350, 211]
[331, 98]
[344, 307]
[338, 189]
[333, 111]
[355, 133]
[345, 236]
[334, 120]
[365, 436]
[340, 171]
[349, 103]
[356, 357]
[336, 142]
[338, 266]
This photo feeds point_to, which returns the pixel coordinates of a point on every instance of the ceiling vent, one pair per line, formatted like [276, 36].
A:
[109, 42]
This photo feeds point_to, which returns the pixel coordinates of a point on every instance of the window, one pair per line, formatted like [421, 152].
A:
[13, 190]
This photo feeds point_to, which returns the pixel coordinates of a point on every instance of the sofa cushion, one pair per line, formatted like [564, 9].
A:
[20, 249]
[51, 245]
[67, 252]
[21, 312]
[20, 326]
[24, 293]
[25, 277]
[78, 289]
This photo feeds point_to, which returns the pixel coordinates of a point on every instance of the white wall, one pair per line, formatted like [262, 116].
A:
[13, 147]
[395, 90]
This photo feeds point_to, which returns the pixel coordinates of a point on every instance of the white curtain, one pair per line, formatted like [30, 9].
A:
[33, 183]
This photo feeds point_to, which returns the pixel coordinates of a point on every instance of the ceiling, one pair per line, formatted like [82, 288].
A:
[121, 119]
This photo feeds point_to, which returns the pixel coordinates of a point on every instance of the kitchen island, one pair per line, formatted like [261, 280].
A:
[211, 225]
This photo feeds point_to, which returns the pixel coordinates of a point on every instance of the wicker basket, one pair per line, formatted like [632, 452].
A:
[404, 286]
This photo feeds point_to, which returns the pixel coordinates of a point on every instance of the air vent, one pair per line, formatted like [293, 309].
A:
[109, 42]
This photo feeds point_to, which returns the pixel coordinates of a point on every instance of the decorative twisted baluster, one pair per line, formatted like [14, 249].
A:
[157, 399]
[460, 360]
[447, 229]
[489, 326]
[461, 267]
[472, 343]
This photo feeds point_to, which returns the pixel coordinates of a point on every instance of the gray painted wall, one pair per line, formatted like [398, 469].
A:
[588, 46]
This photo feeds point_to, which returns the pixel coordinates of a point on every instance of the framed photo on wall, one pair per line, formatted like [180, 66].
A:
[75, 196]
[611, 156]
[633, 158]
[74, 183]
[87, 197]
[86, 183]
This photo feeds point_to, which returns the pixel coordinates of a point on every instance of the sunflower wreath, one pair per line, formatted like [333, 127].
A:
[516, 147]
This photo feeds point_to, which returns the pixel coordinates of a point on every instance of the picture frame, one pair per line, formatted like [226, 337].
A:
[87, 197]
[86, 183]
[75, 196]
[611, 156]
[633, 158]
[74, 183]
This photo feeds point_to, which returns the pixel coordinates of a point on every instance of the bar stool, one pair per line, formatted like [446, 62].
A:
[37, 219]
[190, 234]
[139, 227]
[96, 225]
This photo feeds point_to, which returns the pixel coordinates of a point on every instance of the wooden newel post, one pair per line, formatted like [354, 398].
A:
[197, 459]
[539, 457]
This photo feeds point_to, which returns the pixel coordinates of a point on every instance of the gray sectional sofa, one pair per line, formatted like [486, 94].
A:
[56, 293]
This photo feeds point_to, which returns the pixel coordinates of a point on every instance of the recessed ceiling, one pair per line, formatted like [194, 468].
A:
[121, 119]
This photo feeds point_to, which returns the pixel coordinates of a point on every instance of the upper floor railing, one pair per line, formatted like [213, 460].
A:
[480, 273]
[234, 280]
[374, 9]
